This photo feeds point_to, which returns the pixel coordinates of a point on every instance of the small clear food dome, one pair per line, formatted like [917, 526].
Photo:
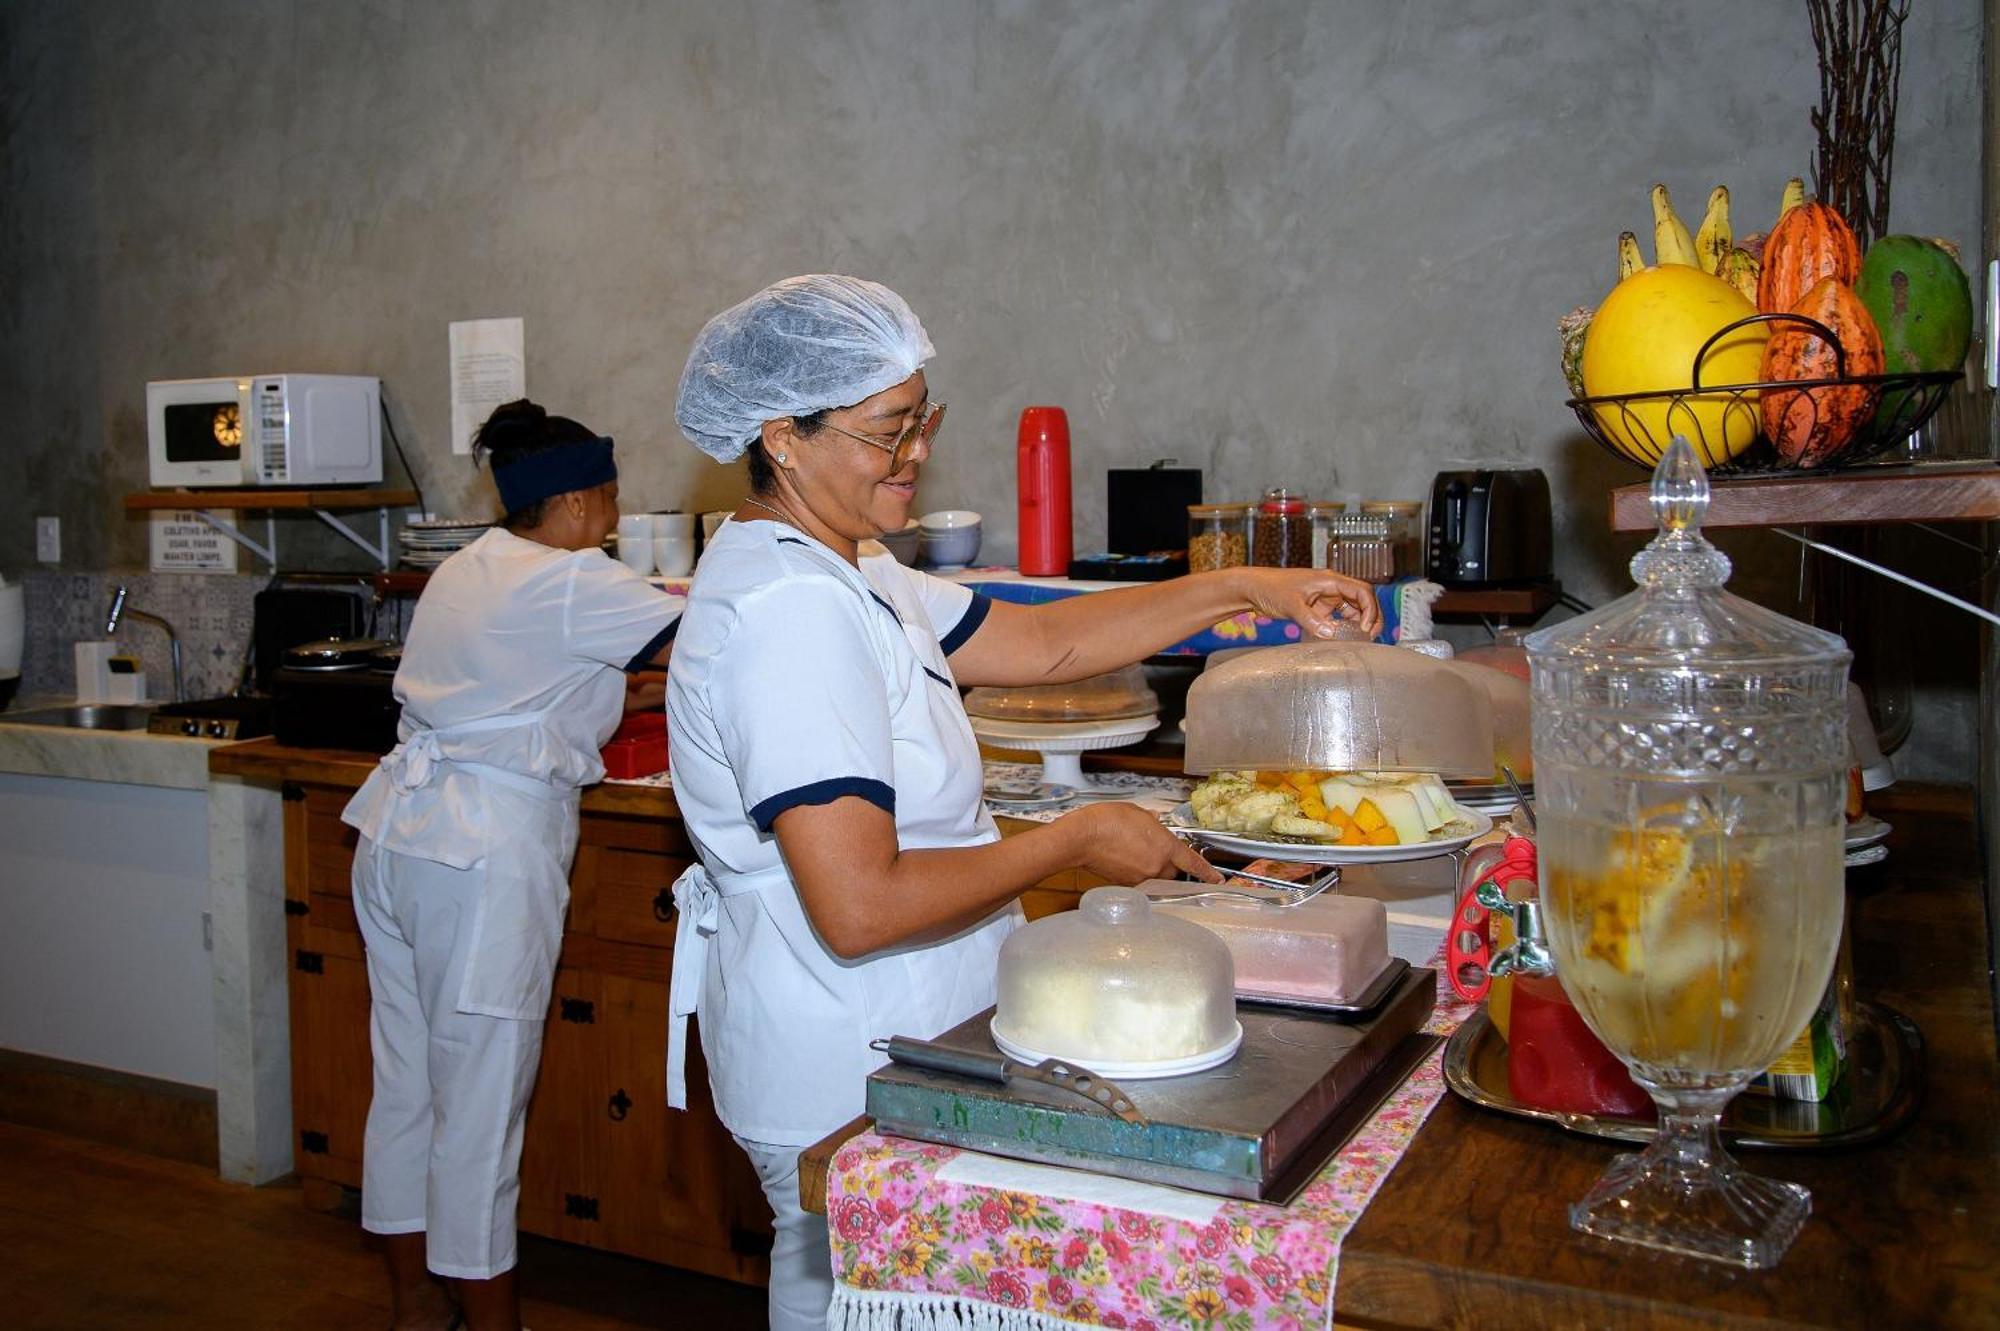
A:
[1119, 989]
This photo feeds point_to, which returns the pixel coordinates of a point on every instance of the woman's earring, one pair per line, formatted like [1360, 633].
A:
[783, 459]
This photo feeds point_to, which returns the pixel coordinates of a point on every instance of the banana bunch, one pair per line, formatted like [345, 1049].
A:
[1711, 247]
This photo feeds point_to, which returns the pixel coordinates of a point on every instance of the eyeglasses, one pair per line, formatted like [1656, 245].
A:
[920, 431]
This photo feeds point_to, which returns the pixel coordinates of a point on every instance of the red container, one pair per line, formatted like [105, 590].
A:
[637, 748]
[1042, 458]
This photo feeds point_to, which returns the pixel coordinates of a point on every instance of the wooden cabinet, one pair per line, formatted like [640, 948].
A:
[605, 1162]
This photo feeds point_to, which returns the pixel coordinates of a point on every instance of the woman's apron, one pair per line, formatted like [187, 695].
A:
[517, 832]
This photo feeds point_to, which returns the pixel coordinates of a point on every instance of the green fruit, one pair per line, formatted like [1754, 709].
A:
[1923, 306]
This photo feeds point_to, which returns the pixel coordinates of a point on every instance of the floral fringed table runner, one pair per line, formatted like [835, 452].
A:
[919, 1246]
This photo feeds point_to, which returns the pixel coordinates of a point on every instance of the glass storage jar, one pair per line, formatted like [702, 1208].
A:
[1406, 532]
[1362, 548]
[1325, 520]
[1281, 532]
[1690, 759]
[1218, 536]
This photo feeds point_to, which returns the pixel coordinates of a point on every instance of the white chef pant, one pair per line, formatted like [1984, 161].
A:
[801, 1254]
[442, 1154]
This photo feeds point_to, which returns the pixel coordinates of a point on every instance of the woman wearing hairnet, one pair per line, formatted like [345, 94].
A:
[851, 885]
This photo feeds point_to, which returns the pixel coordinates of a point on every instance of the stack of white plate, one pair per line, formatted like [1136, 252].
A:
[428, 542]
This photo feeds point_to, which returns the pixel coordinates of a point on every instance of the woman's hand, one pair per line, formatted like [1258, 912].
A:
[1126, 845]
[1314, 599]
[645, 690]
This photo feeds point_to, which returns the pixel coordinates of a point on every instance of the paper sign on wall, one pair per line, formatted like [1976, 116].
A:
[489, 366]
[184, 543]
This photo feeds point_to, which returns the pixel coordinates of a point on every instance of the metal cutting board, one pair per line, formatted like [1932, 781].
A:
[1257, 1127]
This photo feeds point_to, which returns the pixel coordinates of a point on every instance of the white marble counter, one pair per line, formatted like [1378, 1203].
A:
[244, 915]
[131, 757]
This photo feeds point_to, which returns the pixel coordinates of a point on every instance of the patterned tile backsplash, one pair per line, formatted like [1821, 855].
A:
[210, 612]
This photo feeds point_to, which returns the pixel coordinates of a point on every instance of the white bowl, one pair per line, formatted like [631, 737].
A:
[679, 526]
[636, 553]
[948, 519]
[673, 556]
[902, 544]
[952, 548]
[635, 527]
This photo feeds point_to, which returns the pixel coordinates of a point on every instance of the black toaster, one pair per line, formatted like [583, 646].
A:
[1489, 528]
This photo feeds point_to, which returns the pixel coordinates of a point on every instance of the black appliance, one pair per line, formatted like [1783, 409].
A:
[288, 616]
[212, 718]
[1490, 528]
[1146, 507]
[337, 694]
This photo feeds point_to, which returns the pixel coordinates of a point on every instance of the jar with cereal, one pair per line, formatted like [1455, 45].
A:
[1217, 536]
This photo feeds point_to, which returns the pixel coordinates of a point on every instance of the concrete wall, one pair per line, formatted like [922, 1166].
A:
[1319, 244]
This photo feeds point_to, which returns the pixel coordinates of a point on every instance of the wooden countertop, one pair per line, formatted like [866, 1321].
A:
[1471, 1229]
[267, 760]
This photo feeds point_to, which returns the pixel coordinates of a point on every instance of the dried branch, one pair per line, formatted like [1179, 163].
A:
[1860, 48]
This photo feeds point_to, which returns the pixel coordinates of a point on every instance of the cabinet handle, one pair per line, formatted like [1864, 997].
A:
[579, 1010]
[620, 1105]
[663, 905]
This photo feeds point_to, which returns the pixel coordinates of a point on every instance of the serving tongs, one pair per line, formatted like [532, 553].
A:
[934, 1057]
[1295, 894]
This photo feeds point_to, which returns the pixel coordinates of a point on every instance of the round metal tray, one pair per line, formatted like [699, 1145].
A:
[1878, 1091]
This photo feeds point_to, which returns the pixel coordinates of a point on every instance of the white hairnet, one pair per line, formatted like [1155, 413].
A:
[799, 346]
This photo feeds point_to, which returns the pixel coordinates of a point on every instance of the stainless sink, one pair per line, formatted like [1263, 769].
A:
[90, 716]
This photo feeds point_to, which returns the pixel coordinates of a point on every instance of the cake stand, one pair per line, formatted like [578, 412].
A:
[1062, 744]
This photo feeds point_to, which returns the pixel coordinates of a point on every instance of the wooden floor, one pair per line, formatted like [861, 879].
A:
[100, 1237]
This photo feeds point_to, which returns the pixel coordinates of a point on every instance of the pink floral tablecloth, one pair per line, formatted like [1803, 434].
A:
[914, 1252]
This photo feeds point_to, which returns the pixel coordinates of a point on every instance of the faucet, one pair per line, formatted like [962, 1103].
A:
[119, 610]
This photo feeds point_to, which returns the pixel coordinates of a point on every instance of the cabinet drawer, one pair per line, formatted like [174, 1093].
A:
[635, 896]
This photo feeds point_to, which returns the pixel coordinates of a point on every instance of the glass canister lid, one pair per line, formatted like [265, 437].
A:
[1680, 648]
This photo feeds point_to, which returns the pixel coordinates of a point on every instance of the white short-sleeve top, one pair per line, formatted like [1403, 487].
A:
[515, 663]
[798, 679]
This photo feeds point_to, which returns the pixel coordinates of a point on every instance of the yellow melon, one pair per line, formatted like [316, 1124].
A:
[1644, 339]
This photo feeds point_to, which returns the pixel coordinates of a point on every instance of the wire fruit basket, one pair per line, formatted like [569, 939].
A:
[1715, 418]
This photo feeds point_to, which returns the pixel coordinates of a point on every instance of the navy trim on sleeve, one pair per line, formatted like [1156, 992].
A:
[939, 678]
[877, 793]
[791, 540]
[653, 645]
[968, 623]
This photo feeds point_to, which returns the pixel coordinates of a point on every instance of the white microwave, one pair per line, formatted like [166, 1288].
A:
[265, 429]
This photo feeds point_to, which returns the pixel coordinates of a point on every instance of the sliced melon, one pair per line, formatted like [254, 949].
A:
[1342, 793]
[1399, 809]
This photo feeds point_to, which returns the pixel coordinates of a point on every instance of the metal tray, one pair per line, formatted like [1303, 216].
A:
[1257, 1127]
[1877, 1093]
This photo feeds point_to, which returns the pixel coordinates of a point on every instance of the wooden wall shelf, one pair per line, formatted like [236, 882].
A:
[322, 504]
[1500, 602]
[1934, 492]
[261, 499]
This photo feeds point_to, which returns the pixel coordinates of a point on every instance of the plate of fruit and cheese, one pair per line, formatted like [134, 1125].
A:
[1328, 817]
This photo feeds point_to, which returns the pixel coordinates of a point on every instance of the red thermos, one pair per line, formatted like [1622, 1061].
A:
[1042, 458]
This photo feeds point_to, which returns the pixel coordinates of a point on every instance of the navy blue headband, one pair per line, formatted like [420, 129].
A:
[582, 464]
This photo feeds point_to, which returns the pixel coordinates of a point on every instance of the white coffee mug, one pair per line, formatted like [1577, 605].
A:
[635, 527]
[635, 552]
[673, 556]
[710, 522]
[678, 526]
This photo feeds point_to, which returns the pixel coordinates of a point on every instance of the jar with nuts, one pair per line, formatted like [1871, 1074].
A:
[1217, 536]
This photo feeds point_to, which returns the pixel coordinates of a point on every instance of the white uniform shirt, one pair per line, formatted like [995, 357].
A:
[798, 679]
[512, 680]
